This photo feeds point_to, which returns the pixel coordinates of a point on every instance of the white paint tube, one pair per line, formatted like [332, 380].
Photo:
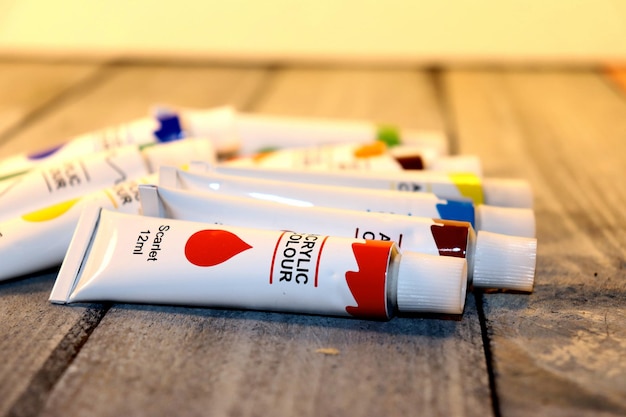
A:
[248, 133]
[494, 261]
[55, 183]
[163, 127]
[231, 132]
[39, 240]
[138, 259]
[499, 192]
[372, 156]
[508, 221]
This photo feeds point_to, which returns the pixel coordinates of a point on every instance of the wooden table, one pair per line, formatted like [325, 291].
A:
[560, 351]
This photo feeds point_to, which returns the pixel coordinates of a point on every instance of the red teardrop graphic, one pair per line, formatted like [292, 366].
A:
[212, 247]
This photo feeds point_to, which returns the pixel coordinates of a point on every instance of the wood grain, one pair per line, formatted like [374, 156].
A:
[149, 361]
[38, 341]
[124, 93]
[403, 97]
[561, 350]
[29, 88]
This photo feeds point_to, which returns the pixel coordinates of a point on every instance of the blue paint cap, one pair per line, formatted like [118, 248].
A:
[457, 210]
[169, 127]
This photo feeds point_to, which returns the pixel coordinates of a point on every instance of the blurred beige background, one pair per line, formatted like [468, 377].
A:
[350, 30]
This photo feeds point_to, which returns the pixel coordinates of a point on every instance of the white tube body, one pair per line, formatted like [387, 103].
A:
[493, 260]
[372, 156]
[258, 132]
[56, 183]
[40, 239]
[414, 234]
[138, 259]
[137, 132]
[455, 186]
[69, 179]
[309, 195]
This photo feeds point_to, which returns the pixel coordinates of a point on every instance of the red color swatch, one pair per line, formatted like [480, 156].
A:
[212, 247]
[368, 283]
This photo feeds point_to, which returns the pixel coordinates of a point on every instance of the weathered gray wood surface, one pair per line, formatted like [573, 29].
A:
[558, 351]
[562, 350]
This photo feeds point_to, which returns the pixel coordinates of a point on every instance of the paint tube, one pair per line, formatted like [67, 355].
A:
[137, 259]
[230, 131]
[508, 221]
[248, 133]
[372, 156]
[39, 240]
[494, 261]
[500, 192]
[164, 127]
[55, 183]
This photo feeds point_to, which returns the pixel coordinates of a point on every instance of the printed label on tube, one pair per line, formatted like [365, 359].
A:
[153, 260]
[296, 194]
[39, 239]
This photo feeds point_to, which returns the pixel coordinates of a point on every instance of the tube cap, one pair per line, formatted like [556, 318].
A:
[504, 262]
[431, 283]
[505, 220]
[179, 152]
[216, 124]
[508, 192]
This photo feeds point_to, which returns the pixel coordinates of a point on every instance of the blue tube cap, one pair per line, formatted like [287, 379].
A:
[169, 127]
[457, 210]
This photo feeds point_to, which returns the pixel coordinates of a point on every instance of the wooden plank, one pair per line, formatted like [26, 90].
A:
[562, 349]
[161, 361]
[39, 339]
[29, 87]
[130, 92]
[157, 361]
[403, 97]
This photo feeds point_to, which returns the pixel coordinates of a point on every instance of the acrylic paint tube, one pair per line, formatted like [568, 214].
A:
[494, 261]
[138, 259]
[39, 240]
[508, 221]
[56, 183]
[164, 127]
[231, 133]
[248, 133]
[500, 192]
[373, 156]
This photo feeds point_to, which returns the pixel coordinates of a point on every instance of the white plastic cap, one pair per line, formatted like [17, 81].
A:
[179, 152]
[216, 124]
[458, 163]
[505, 220]
[431, 283]
[504, 262]
[508, 192]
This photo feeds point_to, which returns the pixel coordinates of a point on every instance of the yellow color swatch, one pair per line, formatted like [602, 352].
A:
[469, 185]
[51, 212]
